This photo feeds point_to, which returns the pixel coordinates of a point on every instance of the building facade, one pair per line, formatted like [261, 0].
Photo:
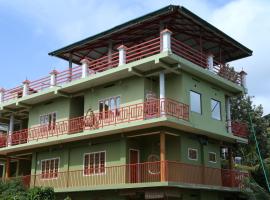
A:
[142, 112]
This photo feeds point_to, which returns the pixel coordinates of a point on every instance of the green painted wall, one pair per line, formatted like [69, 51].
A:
[113, 154]
[72, 155]
[133, 90]
[53, 153]
[130, 91]
[60, 105]
[173, 148]
[117, 151]
[191, 141]
[178, 87]
[76, 107]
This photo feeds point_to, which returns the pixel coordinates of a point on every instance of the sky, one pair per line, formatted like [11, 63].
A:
[30, 29]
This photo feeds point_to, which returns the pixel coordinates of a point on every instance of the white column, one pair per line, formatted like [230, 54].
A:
[210, 62]
[161, 85]
[165, 40]
[243, 75]
[53, 80]
[122, 54]
[2, 93]
[25, 88]
[10, 128]
[162, 91]
[85, 66]
[228, 111]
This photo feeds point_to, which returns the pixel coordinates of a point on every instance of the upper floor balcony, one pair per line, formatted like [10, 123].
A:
[166, 42]
[153, 111]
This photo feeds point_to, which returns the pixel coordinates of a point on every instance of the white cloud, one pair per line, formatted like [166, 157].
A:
[248, 22]
[72, 20]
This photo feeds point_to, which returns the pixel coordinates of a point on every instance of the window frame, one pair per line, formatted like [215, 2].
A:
[50, 159]
[200, 95]
[105, 114]
[197, 154]
[214, 153]
[220, 112]
[51, 124]
[94, 173]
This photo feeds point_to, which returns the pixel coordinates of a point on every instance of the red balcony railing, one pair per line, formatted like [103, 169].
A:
[240, 129]
[189, 53]
[227, 72]
[126, 114]
[143, 50]
[149, 172]
[133, 53]
[200, 59]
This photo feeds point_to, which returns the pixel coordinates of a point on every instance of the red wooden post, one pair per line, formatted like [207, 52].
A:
[162, 157]
[231, 166]
[7, 167]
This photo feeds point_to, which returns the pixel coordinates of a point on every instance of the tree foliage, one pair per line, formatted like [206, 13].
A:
[15, 190]
[12, 190]
[241, 108]
[39, 193]
[255, 191]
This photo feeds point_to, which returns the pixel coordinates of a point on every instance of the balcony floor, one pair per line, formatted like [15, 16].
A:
[149, 185]
[164, 121]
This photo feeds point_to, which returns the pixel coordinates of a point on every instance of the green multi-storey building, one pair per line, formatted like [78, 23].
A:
[142, 112]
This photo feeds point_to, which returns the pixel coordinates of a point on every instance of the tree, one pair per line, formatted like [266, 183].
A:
[241, 108]
[255, 191]
[15, 190]
[40, 193]
[12, 190]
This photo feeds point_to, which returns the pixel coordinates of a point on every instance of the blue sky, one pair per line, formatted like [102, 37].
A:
[31, 29]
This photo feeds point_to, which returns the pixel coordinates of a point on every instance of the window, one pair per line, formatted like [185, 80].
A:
[48, 119]
[94, 163]
[111, 104]
[215, 109]
[195, 102]
[192, 154]
[49, 168]
[212, 157]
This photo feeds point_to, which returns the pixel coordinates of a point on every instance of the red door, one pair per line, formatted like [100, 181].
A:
[134, 166]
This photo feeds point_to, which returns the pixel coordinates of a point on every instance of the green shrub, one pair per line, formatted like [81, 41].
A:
[15, 190]
[39, 193]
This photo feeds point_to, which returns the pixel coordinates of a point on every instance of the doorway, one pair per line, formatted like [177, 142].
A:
[1, 171]
[134, 167]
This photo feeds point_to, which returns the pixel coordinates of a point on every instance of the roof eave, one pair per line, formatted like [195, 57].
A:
[216, 30]
[114, 29]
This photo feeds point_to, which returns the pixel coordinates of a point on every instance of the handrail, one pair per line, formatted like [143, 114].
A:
[134, 112]
[240, 129]
[146, 172]
[133, 53]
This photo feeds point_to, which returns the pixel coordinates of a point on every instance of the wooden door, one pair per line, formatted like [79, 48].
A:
[134, 168]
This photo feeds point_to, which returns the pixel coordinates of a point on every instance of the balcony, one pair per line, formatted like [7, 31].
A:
[142, 173]
[240, 129]
[98, 120]
[126, 55]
